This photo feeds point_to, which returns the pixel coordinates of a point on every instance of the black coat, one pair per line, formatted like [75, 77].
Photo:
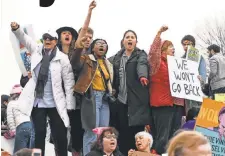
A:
[100, 153]
[137, 95]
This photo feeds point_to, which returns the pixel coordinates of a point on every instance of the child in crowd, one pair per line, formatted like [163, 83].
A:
[19, 124]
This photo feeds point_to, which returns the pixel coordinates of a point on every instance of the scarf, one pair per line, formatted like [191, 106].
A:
[43, 73]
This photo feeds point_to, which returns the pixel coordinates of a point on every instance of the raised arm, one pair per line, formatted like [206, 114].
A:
[154, 56]
[76, 59]
[87, 20]
[26, 40]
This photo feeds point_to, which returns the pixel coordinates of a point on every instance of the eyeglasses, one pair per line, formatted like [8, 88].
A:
[46, 36]
[109, 136]
[101, 44]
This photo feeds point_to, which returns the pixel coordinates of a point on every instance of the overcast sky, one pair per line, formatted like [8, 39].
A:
[111, 18]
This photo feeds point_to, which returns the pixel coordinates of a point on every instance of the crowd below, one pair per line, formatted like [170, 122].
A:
[116, 107]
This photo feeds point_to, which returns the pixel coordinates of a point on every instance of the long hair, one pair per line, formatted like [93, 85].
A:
[71, 46]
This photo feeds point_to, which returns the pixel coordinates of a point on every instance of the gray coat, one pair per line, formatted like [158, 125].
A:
[217, 71]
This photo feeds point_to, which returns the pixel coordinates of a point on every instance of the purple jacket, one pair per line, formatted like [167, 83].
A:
[189, 125]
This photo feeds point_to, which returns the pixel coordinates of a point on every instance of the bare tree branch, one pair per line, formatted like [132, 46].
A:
[212, 32]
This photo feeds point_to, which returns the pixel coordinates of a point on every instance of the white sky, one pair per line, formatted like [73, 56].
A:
[111, 18]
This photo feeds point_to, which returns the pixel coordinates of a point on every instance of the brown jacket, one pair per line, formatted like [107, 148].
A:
[86, 66]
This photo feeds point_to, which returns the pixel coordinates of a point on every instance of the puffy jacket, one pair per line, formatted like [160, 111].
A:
[14, 116]
[61, 72]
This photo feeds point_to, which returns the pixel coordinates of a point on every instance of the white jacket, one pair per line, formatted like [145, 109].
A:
[14, 116]
[61, 72]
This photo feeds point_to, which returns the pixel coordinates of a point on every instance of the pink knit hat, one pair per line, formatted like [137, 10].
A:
[98, 131]
[17, 89]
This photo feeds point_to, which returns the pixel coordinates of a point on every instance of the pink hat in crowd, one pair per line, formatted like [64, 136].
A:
[17, 89]
[98, 131]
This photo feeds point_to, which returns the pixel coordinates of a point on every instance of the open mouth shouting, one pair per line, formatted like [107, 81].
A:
[47, 44]
[130, 44]
[139, 144]
[112, 143]
[67, 39]
[101, 49]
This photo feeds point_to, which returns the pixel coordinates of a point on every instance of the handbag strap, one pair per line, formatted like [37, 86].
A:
[104, 79]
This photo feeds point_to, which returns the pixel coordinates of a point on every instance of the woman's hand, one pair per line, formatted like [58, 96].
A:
[92, 5]
[200, 78]
[144, 81]
[80, 43]
[163, 28]
[29, 74]
[14, 25]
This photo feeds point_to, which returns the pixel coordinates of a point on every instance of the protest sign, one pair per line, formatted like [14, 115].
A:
[220, 97]
[193, 54]
[21, 53]
[211, 122]
[184, 82]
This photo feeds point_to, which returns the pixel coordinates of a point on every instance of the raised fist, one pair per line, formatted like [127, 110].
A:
[14, 25]
[163, 28]
[92, 5]
[80, 42]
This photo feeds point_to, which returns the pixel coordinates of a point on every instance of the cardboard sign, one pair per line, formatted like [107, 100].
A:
[184, 82]
[21, 53]
[193, 54]
[211, 122]
[220, 97]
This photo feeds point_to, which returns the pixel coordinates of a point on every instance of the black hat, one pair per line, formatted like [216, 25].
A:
[70, 29]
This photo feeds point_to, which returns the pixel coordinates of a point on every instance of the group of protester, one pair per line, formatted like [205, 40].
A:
[72, 84]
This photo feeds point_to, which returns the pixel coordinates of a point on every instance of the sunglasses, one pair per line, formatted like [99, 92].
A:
[47, 36]
[109, 136]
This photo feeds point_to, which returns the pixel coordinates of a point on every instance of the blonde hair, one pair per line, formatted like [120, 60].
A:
[146, 135]
[185, 139]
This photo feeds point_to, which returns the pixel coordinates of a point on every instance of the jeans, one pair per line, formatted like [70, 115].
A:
[24, 136]
[102, 120]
